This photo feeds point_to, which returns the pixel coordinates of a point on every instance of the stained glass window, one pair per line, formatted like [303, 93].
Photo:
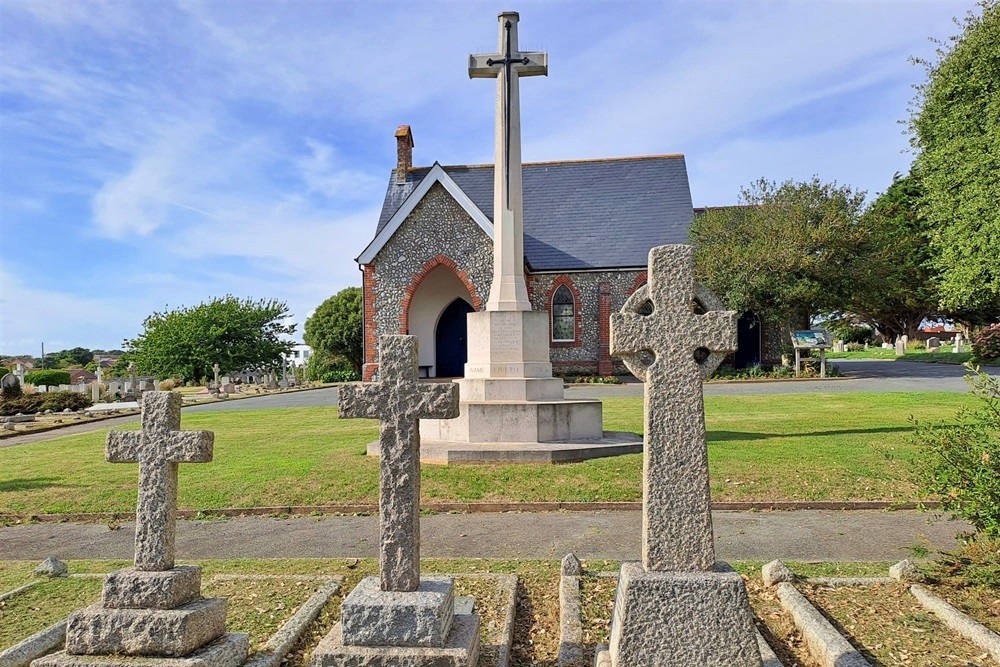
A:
[563, 321]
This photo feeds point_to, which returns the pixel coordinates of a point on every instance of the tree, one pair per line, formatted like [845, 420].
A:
[786, 252]
[49, 378]
[894, 285]
[236, 334]
[336, 327]
[74, 357]
[955, 126]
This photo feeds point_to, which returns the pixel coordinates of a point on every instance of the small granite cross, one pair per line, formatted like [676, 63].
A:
[216, 369]
[400, 402]
[158, 448]
[677, 520]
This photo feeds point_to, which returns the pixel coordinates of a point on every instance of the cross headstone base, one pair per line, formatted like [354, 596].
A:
[418, 627]
[662, 619]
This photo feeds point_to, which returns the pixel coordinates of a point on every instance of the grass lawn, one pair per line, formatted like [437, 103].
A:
[765, 447]
[870, 353]
[943, 356]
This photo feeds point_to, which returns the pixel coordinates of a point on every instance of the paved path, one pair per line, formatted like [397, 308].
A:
[862, 374]
[800, 535]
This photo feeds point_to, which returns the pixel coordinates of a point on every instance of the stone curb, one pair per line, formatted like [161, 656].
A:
[767, 656]
[284, 640]
[825, 644]
[509, 584]
[19, 589]
[570, 624]
[847, 582]
[477, 508]
[37, 645]
[971, 629]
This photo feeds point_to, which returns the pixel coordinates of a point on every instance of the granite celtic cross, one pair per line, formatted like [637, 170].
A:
[676, 520]
[508, 291]
[399, 401]
[158, 447]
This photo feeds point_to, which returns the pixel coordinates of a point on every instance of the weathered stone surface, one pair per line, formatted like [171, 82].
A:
[51, 567]
[462, 650]
[137, 589]
[825, 643]
[399, 401]
[37, 645]
[679, 619]
[903, 570]
[373, 617]
[228, 651]
[158, 448]
[571, 566]
[97, 630]
[677, 523]
[776, 572]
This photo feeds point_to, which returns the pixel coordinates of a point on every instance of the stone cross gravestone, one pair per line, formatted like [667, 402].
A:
[133, 381]
[678, 606]
[19, 372]
[154, 609]
[95, 387]
[958, 343]
[400, 617]
[215, 370]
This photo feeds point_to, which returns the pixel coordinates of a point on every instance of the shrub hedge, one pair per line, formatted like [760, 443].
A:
[49, 377]
[57, 401]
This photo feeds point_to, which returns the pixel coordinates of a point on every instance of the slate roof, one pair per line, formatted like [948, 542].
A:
[585, 214]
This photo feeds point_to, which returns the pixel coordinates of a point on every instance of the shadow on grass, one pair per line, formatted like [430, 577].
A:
[724, 436]
[32, 483]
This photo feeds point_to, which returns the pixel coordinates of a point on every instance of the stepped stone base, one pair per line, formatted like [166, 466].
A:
[136, 589]
[613, 443]
[373, 617]
[173, 633]
[679, 619]
[461, 650]
[228, 651]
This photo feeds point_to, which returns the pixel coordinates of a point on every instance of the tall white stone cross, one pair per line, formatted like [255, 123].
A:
[399, 401]
[676, 518]
[158, 448]
[508, 291]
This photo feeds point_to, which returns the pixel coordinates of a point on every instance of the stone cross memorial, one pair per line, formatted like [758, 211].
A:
[215, 371]
[678, 606]
[154, 610]
[400, 618]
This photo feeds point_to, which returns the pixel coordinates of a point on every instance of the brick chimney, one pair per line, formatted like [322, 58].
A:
[404, 152]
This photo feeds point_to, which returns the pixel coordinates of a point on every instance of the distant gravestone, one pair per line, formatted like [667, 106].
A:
[677, 607]
[19, 372]
[215, 370]
[399, 617]
[933, 343]
[958, 343]
[900, 346]
[9, 381]
[153, 609]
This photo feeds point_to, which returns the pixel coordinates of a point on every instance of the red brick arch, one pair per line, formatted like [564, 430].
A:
[418, 277]
[639, 281]
[577, 305]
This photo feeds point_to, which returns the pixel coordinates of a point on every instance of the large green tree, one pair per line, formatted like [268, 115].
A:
[955, 124]
[894, 288]
[336, 328]
[786, 252]
[235, 333]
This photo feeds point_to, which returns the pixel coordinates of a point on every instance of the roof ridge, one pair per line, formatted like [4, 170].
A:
[631, 158]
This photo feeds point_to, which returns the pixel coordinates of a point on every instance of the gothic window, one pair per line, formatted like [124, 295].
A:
[563, 315]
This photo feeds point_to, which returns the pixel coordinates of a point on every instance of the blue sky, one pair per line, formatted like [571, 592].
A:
[154, 154]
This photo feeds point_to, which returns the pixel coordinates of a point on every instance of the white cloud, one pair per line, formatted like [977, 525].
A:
[325, 173]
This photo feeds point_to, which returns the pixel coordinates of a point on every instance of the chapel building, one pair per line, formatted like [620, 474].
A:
[588, 229]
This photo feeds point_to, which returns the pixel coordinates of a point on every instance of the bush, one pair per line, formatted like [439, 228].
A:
[48, 377]
[854, 347]
[598, 379]
[960, 463]
[986, 344]
[57, 401]
[340, 376]
[167, 385]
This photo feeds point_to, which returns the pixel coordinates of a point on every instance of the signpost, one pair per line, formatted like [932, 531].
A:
[814, 339]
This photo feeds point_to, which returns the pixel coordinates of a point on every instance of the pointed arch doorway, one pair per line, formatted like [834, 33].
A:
[451, 343]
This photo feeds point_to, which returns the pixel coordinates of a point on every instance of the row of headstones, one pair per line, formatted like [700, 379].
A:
[678, 606]
[933, 344]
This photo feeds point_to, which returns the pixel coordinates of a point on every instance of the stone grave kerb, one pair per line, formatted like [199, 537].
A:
[677, 520]
[158, 447]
